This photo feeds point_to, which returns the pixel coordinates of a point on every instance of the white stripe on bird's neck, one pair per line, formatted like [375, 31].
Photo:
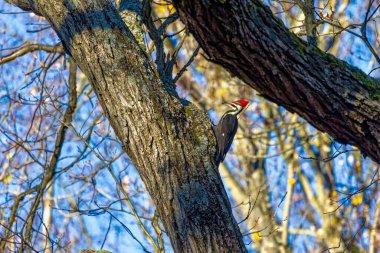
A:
[235, 110]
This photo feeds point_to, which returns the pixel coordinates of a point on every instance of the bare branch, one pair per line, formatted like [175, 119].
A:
[29, 49]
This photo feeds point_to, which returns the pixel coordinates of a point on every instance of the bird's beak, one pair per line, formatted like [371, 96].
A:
[243, 111]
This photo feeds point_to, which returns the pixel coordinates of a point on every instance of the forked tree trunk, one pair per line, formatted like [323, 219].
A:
[169, 140]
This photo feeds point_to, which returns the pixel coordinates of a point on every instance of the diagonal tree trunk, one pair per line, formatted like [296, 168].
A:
[169, 140]
[249, 41]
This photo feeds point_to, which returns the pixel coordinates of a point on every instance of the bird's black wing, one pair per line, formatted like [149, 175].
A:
[227, 128]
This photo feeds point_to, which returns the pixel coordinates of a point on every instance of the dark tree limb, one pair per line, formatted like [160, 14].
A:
[250, 42]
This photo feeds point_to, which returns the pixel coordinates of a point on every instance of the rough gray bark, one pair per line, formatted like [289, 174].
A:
[249, 41]
[169, 140]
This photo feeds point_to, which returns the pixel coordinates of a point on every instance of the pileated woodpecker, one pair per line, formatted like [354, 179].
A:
[226, 129]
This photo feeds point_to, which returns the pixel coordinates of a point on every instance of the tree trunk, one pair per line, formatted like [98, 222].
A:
[170, 141]
[244, 37]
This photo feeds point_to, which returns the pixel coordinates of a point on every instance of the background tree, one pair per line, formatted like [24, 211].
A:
[62, 163]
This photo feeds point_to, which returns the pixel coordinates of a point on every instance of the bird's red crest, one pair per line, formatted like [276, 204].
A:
[243, 102]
